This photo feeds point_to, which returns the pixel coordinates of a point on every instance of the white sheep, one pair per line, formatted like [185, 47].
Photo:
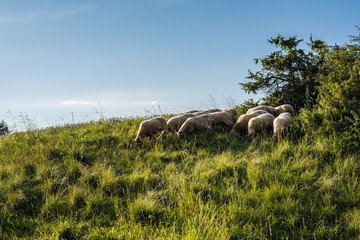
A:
[195, 124]
[233, 113]
[222, 118]
[284, 108]
[199, 113]
[282, 123]
[175, 123]
[260, 123]
[148, 127]
[213, 110]
[190, 111]
[269, 109]
[241, 124]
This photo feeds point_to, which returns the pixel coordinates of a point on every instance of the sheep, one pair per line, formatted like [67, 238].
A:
[242, 123]
[233, 113]
[222, 118]
[282, 123]
[199, 113]
[260, 123]
[269, 109]
[198, 123]
[149, 127]
[206, 111]
[284, 108]
[187, 112]
[175, 123]
[213, 110]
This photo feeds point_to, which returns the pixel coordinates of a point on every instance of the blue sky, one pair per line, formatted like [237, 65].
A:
[58, 57]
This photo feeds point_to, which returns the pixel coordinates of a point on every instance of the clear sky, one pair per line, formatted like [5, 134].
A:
[58, 57]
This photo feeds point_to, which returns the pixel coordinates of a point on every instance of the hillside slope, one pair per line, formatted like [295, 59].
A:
[91, 181]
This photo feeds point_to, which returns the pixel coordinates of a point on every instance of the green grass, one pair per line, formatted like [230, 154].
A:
[91, 181]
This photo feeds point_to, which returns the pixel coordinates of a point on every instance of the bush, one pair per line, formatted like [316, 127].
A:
[3, 128]
[337, 113]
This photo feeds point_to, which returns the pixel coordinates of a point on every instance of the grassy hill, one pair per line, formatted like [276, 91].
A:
[91, 181]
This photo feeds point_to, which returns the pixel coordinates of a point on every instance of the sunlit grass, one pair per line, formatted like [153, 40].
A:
[91, 181]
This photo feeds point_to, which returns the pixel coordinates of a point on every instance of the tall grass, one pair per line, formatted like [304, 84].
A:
[91, 181]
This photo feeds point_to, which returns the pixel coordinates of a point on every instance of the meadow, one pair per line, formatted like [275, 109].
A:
[91, 181]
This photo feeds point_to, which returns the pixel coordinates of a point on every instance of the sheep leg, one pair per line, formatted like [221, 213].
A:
[163, 134]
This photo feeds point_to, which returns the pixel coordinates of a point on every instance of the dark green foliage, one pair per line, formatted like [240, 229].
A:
[337, 114]
[243, 107]
[355, 38]
[4, 129]
[289, 74]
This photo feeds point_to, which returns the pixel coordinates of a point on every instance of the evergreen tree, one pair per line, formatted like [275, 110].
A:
[3, 128]
[338, 110]
[288, 75]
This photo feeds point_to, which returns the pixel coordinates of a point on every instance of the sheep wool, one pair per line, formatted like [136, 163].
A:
[148, 127]
[175, 123]
[222, 118]
[269, 109]
[242, 123]
[282, 124]
[198, 123]
[233, 113]
[284, 108]
[260, 123]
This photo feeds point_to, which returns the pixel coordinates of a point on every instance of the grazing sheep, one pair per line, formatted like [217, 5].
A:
[187, 112]
[282, 124]
[269, 109]
[233, 113]
[199, 113]
[222, 118]
[260, 123]
[198, 123]
[206, 111]
[284, 108]
[149, 127]
[175, 123]
[213, 110]
[242, 123]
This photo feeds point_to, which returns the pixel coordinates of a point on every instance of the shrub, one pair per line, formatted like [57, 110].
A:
[3, 128]
[337, 113]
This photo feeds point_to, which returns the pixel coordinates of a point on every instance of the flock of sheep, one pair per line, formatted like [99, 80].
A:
[256, 120]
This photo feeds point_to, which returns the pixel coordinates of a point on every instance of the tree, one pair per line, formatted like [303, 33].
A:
[288, 75]
[338, 111]
[355, 38]
[3, 128]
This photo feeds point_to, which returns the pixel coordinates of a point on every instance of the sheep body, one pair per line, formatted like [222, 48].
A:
[175, 123]
[242, 123]
[269, 109]
[197, 123]
[189, 112]
[213, 110]
[284, 108]
[222, 118]
[199, 113]
[260, 123]
[282, 124]
[148, 127]
[233, 113]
